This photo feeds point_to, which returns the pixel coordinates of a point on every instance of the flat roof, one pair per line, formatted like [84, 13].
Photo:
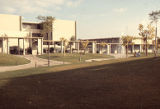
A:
[101, 38]
[29, 22]
[10, 15]
[34, 22]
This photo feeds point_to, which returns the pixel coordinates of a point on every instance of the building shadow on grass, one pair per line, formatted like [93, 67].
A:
[126, 85]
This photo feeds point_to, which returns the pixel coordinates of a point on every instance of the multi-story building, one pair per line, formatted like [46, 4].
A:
[18, 36]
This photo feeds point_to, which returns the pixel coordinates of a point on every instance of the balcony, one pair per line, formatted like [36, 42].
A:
[33, 30]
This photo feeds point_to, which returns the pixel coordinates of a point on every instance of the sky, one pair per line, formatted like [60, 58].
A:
[95, 18]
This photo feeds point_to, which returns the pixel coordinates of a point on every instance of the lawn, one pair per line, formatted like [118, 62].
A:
[73, 58]
[10, 60]
[115, 84]
[150, 54]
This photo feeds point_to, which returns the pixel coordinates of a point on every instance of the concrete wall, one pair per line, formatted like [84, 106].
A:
[10, 22]
[10, 26]
[140, 41]
[63, 28]
[137, 41]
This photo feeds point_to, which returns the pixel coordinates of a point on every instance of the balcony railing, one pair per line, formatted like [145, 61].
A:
[33, 30]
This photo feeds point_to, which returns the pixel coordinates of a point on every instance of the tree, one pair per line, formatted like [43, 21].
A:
[102, 45]
[47, 27]
[146, 34]
[64, 43]
[84, 45]
[154, 17]
[126, 40]
[72, 39]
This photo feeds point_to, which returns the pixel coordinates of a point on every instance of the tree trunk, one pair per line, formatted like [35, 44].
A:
[48, 52]
[155, 47]
[70, 48]
[64, 51]
[146, 47]
[127, 51]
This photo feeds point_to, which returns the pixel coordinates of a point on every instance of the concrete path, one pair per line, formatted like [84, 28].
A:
[99, 59]
[35, 61]
[116, 56]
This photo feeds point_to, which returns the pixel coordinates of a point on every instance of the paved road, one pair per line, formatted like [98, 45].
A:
[35, 61]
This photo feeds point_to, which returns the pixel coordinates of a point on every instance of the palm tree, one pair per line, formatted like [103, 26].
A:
[102, 45]
[154, 16]
[64, 43]
[126, 41]
[72, 39]
[84, 45]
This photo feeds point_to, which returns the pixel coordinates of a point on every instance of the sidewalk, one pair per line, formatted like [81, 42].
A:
[35, 61]
[116, 56]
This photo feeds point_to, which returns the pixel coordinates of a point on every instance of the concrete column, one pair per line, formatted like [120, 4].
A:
[133, 49]
[116, 50]
[70, 48]
[4, 45]
[39, 46]
[140, 48]
[100, 49]
[62, 47]
[93, 47]
[109, 49]
[78, 47]
[8, 50]
[123, 50]
[18, 47]
[24, 46]
[54, 48]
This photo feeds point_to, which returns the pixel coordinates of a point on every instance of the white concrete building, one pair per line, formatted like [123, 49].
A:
[17, 36]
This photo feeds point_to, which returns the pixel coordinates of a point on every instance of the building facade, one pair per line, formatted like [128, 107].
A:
[114, 45]
[18, 36]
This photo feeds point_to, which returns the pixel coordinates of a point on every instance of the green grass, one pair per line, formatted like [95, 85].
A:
[150, 54]
[11, 60]
[131, 83]
[73, 58]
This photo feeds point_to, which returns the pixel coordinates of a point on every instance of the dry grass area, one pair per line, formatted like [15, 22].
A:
[115, 84]
[10, 60]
